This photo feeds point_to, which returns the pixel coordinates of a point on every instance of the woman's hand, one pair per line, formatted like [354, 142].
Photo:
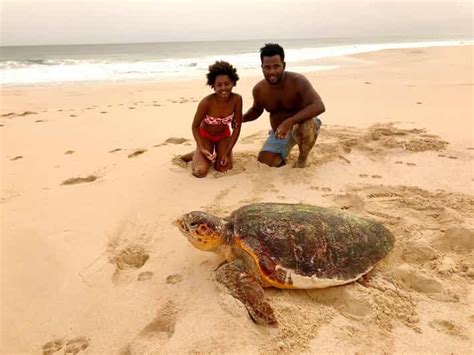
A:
[208, 155]
[225, 160]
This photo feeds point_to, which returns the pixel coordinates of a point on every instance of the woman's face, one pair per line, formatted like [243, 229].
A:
[223, 86]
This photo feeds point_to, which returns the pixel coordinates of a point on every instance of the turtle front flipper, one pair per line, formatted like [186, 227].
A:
[246, 288]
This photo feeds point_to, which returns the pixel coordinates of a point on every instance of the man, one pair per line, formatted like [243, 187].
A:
[293, 105]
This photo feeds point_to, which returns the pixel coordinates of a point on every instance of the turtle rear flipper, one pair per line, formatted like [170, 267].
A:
[246, 288]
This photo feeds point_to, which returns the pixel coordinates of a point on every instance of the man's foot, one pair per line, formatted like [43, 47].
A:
[300, 164]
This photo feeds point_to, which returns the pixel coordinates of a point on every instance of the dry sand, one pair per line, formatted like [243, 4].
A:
[90, 260]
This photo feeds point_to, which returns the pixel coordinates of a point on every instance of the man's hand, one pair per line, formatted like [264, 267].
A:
[283, 129]
[208, 155]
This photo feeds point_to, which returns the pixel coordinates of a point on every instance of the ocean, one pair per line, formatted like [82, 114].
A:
[39, 65]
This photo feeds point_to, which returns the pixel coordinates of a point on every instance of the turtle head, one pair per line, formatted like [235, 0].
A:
[203, 230]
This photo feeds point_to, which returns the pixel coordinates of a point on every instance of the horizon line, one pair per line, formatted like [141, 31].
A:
[222, 40]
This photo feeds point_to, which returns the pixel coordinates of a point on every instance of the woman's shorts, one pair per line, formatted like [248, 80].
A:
[215, 138]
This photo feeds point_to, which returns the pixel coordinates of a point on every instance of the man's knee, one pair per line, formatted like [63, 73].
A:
[271, 159]
[306, 131]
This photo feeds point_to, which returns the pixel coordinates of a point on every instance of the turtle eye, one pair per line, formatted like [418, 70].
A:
[193, 225]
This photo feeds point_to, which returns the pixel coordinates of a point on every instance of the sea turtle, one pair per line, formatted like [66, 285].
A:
[286, 246]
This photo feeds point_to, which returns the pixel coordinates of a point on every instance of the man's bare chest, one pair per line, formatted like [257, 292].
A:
[281, 101]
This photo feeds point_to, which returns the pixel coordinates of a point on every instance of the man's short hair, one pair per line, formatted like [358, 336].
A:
[271, 49]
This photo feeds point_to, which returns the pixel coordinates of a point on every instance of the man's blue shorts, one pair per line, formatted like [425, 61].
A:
[283, 146]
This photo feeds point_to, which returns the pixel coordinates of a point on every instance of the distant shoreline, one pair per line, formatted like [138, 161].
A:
[131, 65]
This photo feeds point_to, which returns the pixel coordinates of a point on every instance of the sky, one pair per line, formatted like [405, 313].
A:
[40, 22]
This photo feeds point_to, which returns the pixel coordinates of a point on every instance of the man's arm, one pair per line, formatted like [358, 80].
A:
[311, 103]
[255, 111]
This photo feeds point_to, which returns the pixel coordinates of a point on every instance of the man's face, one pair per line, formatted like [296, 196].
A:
[273, 69]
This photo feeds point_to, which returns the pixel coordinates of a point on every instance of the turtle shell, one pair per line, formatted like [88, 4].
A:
[304, 246]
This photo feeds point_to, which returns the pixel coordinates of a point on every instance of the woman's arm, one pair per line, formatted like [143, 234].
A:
[236, 124]
[198, 118]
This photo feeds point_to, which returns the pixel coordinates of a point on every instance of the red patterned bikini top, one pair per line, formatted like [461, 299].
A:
[218, 120]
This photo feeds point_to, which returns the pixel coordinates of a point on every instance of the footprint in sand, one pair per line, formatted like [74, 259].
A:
[72, 346]
[13, 114]
[115, 150]
[449, 328]
[164, 321]
[418, 252]
[376, 177]
[75, 345]
[132, 257]
[131, 108]
[128, 260]
[27, 113]
[458, 239]
[350, 202]
[102, 112]
[38, 121]
[348, 304]
[156, 334]
[17, 157]
[417, 281]
[174, 140]
[419, 103]
[69, 152]
[137, 153]
[72, 115]
[452, 157]
[410, 164]
[145, 276]
[174, 279]
[79, 180]
[398, 162]
[344, 158]
[53, 346]
[363, 175]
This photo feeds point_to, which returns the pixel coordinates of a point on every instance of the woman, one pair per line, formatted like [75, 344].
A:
[215, 115]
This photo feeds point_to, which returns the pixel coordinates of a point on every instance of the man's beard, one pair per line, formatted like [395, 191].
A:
[277, 81]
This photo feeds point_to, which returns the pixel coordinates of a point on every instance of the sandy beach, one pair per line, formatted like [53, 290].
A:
[91, 183]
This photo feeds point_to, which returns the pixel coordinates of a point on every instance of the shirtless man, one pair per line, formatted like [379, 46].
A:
[293, 105]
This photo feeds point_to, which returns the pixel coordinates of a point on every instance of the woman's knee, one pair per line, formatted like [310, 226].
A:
[199, 172]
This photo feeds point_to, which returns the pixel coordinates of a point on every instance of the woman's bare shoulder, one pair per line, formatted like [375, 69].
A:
[236, 96]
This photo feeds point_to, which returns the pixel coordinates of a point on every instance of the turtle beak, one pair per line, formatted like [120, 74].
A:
[181, 225]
